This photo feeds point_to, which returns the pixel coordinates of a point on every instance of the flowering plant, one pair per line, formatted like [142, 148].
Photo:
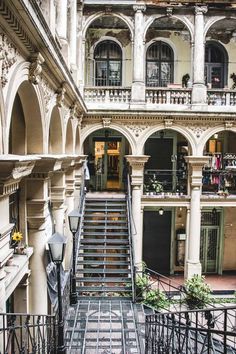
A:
[17, 236]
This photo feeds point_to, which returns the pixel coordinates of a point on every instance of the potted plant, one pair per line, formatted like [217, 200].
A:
[185, 80]
[16, 243]
[155, 185]
[233, 77]
[197, 292]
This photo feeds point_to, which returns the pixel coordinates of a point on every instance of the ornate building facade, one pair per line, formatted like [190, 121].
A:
[144, 86]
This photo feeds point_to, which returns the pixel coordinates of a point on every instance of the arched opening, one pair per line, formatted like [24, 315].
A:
[69, 138]
[106, 149]
[108, 64]
[55, 133]
[216, 65]
[217, 247]
[26, 135]
[168, 44]
[220, 58]
[165, 176]
[108, 50]
[159, 65]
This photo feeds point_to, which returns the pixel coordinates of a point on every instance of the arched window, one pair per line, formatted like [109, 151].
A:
[108, 64]
[216, 65]
[160, 65]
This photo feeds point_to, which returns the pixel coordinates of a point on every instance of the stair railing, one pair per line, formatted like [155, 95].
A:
[211, 330]
[131, 232]
[26, 333]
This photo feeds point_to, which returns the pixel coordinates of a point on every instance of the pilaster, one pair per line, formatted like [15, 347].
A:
[199, 88]
[79, 172]
[193, 265]
[138, 85]
[137, 164]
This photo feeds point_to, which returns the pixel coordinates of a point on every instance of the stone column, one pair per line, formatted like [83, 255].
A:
[69, 204]
[79, 171]
[193, 265]
[138, 85]
[186, 241]
[73, 34]
[2, 303]
[57, 199]
[81, 50]
[39, 230]
[61, 25]
[137, 165]
[199, 87]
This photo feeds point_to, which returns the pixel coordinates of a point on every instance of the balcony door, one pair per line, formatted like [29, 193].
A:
[108, 64]
[216, 64]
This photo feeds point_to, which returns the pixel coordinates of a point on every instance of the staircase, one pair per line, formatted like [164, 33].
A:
[103, 264]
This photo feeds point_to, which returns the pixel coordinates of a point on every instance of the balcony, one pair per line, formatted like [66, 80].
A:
[169, 99]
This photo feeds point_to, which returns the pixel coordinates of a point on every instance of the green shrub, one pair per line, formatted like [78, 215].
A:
[156, 298]
[197, 292]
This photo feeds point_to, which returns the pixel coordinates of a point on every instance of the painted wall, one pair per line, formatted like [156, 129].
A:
[229, 259]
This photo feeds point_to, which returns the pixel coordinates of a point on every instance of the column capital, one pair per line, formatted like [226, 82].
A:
[197, 162]
[137, 161]
[200, 10]
[139, 8]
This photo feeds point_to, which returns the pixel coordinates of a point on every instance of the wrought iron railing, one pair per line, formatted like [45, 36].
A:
[132, 232]
[24, 333]
[159, 182]
[192, 332]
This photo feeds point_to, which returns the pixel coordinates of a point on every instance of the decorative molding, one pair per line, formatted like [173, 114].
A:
[228, 124]
[201, 10]
[8, 56]
[15, 25]
[61, 95]
[139, 8]
[108, 10]
[169, 11]
[137, 129]
[35, 68]
[197, 128]
[168, 123]
[106, 122]
[48, 93]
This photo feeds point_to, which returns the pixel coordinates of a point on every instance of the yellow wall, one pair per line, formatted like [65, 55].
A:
[229, 258]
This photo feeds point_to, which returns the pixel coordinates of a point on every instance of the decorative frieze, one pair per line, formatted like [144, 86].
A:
[106, 122]
[8, 56]
[197, 128]
[35, 68]
[48, 93]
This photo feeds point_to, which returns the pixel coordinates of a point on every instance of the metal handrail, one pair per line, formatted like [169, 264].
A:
[131, 227]
[27, 333]
[192, 331]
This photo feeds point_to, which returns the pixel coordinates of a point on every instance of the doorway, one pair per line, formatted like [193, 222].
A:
[157, 240]
[107, 153]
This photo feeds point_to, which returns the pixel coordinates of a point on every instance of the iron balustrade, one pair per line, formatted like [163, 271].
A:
[132, 232]
[24, 333]
[157, 181]
[192, 332]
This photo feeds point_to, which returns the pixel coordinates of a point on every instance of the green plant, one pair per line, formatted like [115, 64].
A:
[156, 298]
[197, 292]
[155, 185]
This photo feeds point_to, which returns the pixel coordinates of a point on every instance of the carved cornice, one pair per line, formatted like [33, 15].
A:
[137, 162]
[106, 122]
[196, 164]
[35, 68]
[12, 170]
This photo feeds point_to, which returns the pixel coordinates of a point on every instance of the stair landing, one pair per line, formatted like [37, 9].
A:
[102, 327]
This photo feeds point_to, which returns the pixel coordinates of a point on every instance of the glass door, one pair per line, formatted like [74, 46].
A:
[209, 248]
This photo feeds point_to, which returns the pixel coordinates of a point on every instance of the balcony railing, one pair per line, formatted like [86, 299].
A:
[106, 95]
[221, 97]
[168, 96]
[24, 333]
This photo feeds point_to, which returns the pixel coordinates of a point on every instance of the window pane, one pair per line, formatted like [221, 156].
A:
[101, 51]
[165, 74]
[101, 73]
[166, 52]
[114, 51]
[114, 73]
[154, 51]
[153, 74]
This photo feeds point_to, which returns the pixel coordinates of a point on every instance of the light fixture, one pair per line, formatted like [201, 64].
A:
[161, 211]
[74, 217]
[216, 136]
[57, 245]
[162, 134]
